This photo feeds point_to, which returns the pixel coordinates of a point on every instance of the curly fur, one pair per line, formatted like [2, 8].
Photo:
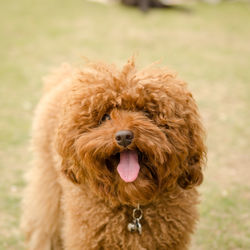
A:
[75, 198]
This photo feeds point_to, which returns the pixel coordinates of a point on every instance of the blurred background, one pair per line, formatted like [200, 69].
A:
[207, 43]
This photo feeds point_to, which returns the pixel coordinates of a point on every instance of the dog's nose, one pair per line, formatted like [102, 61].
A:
[124, 137]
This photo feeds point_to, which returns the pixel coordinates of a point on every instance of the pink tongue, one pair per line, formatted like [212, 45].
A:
[128, 168]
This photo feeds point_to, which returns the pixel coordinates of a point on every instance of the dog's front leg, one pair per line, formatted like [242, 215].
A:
[41, 209]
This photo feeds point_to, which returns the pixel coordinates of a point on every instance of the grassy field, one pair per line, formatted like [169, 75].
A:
[209, 45]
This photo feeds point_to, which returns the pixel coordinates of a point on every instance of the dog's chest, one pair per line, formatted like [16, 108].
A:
[161, 228]
[165, 225]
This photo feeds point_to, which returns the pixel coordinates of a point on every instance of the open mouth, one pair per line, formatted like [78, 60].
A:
[128, 167]
[126, 164]
[129, 164]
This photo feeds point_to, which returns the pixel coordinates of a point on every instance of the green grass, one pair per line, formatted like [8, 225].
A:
[209, 47]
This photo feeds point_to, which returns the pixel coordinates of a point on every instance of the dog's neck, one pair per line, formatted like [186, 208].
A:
[168, 196]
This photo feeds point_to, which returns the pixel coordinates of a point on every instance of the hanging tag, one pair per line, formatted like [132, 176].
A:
[135, 226]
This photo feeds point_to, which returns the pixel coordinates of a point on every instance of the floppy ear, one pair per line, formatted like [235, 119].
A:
[193, 163]
[192, 174]
[196, 155]
[70, 166]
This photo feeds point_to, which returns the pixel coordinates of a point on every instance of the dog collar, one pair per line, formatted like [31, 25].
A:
[135, 226]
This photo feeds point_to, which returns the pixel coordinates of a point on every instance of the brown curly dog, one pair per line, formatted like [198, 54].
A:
[117, 157]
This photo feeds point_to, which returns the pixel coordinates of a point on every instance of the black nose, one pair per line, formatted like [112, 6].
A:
[124, 137]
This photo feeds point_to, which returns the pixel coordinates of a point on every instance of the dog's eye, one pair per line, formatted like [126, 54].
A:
[105, 118]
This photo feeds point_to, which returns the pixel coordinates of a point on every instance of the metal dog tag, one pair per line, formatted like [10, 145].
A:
[135, 226]
[132, 227]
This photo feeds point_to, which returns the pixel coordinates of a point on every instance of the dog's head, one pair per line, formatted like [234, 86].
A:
[130, 135]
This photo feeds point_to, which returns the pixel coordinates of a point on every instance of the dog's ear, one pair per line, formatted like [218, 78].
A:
[194, 161]
[192, 174]
[192, 164]
[69, 165]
